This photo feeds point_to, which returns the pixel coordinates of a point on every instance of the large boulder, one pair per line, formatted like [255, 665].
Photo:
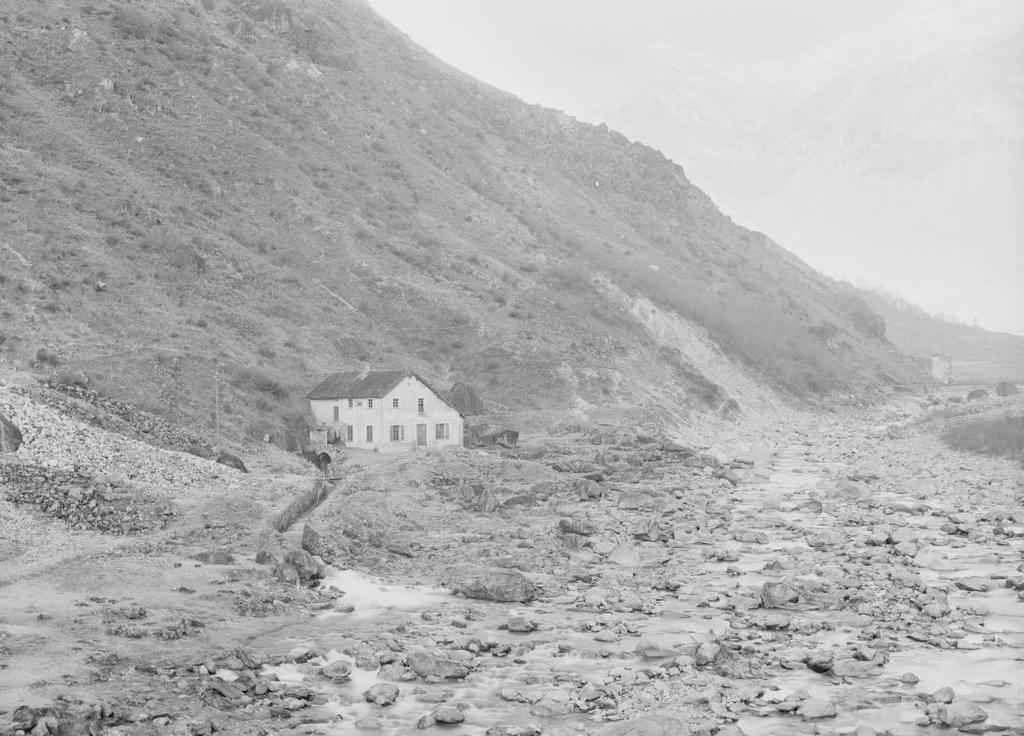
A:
[1006, 388]
[434, 665]
[503, 586]
[232, 461]
[779, 595]
[308, 567]
[977, 394]
[491, 436]
[10, 435]
[315, 544]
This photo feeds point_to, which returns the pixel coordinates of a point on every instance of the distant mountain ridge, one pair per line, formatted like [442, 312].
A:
[210, 206]
[977, 355]
[894, 156]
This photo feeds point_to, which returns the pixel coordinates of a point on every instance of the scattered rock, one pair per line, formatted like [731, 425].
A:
[943, 695]
[215, 557]
[308, 567]
[315, 544]
[577, 526]
[707, 653]
[10, 435]
[777, 595]
[232, 461]
[819, 661]
[1006, 388]
[814, 708]
[976, 585]
[431, 665]
[263, 557]
[448, 714]
[519, 621]
[505, 586]
[337, 671]
[383, 694]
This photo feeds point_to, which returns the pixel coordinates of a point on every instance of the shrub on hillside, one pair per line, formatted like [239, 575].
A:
[136, 23]
[261, 383]
[864, 320]
[45, 356]
[1002, 436]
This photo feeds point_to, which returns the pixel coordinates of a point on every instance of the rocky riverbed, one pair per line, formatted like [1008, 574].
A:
[833, 574]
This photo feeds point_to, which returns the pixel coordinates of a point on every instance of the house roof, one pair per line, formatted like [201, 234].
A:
[365, 385]
[357, 385]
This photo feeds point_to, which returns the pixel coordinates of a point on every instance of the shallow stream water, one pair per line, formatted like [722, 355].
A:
[563, 649]
[990, 675]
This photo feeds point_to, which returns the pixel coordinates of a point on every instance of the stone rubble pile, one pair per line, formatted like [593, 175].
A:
[96, 479]
[121, 417]
[84, 501]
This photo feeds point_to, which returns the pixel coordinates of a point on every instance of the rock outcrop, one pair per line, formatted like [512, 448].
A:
[232, 461]
[10, 435]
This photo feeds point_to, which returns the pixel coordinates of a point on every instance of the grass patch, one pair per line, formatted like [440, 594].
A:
[256, 381]
[1002, 436]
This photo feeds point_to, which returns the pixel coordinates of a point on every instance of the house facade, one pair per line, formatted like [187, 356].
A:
[387, 411]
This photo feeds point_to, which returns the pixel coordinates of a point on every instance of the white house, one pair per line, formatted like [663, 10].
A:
[389, 411]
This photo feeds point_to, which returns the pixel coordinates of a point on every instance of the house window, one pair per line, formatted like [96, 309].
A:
[397, 432]
[348, 433]
[441, 431]
[369, 433]
[337, 413]
[350, 403]
[419, 405]
[394, 403]
[369, 403]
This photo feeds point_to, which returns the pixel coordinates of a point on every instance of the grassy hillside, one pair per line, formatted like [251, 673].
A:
[979, 356]
[248, 193]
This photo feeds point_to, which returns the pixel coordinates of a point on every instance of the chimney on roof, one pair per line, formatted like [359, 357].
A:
[364, 373]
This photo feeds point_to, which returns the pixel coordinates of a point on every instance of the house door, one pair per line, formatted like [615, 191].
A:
[421, 435]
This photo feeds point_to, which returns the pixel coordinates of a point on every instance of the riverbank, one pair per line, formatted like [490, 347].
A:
[831, 574]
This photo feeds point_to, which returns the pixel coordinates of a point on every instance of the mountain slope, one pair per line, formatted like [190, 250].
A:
[227, 199]
[977, 355]
[893, 157]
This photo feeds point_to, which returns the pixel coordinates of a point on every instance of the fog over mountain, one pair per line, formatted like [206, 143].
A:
[880, 141]
[894, 156]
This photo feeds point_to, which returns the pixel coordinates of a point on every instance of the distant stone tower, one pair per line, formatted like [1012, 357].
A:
[942, 369]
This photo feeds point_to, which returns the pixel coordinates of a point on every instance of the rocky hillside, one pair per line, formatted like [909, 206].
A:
[204, 206]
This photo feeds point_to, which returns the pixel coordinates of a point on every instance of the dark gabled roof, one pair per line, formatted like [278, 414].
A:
[357, 385]
[366, 385]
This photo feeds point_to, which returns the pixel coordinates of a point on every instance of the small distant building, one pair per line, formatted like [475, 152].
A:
[388, 411]
[942, 369]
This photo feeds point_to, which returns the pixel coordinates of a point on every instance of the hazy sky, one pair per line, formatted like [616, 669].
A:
[560, 53]
[540, 50]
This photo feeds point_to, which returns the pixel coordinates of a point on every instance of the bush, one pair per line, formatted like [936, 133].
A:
[1002, 436]
[135, 23]
[262, 383]
[45, 356]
